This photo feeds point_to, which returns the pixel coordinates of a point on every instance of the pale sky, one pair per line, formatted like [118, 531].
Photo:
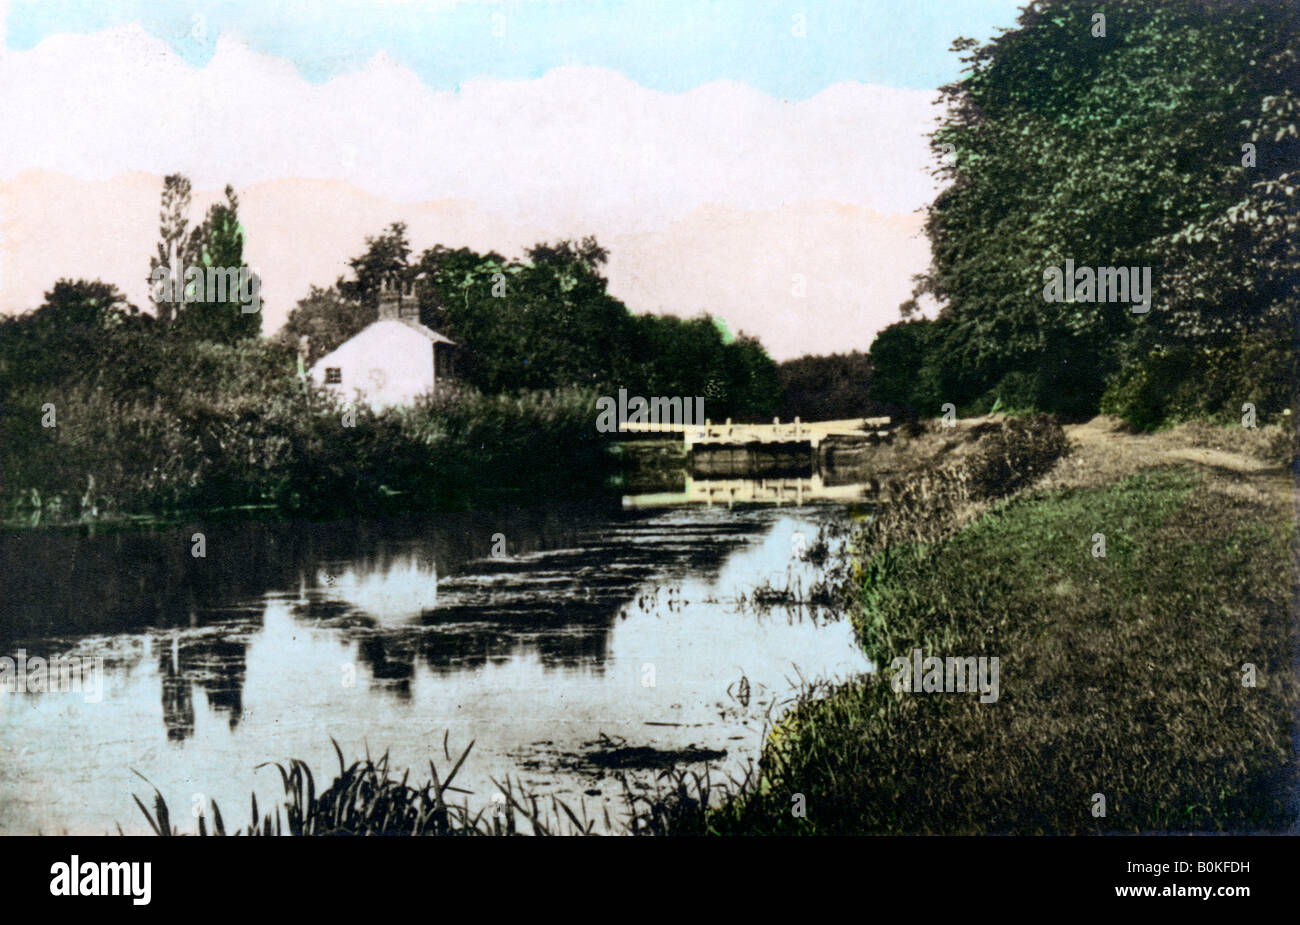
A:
[765, 162]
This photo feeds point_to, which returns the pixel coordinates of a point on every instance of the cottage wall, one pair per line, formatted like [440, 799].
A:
[389, 363]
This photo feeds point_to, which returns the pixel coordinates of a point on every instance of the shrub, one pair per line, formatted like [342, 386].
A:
[1179, 384]
[927, 502]
[1021, 451]
[209, 426]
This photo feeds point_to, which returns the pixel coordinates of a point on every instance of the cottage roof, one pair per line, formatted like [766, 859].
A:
[431, 335]
[427, 332]
[411, 323]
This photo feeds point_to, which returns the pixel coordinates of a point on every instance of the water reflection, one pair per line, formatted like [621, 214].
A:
[388, 635]
[778, 490]
[69, 581]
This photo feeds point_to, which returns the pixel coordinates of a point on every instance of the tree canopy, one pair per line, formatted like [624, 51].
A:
[543, 322]
[214, 250]
[1165, 136]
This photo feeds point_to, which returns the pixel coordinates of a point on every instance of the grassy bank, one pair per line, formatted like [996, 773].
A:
[1120, 676]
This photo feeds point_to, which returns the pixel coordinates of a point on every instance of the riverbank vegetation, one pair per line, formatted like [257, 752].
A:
[1158, 675]
[106, 414]
[828, 388]
[368, 798]
[1165, 138]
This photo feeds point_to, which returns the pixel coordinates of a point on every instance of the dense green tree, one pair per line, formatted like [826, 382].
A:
[827, 388]
[62, 339]
[326, 318]
[477, 301]
[1118, 149]
[903, 373]
[216, 249]
[692, 357]
[385, 260]
[753, 385]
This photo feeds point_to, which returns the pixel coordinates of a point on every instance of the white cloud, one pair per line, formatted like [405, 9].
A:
[578, 150]
[580, 143]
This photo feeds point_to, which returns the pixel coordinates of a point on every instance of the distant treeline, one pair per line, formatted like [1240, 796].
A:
[546, 322]
[108, 410]
[1160, 135]
[827, 388]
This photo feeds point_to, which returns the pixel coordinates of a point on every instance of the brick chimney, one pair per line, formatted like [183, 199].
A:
[390, 300]
[397, 301]
[408, 307]
[412, 303]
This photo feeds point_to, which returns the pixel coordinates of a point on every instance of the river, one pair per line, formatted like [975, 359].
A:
[550, 638]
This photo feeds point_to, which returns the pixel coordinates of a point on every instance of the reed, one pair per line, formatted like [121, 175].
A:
[368, 798]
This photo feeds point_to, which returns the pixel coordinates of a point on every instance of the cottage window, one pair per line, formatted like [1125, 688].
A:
[333, 375]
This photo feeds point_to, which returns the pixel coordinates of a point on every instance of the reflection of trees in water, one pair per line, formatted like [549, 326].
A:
[216, 665]
[225, 663]
[563, 606]
[178, 707]
[560, 605]
[390, 662]
[67, 583]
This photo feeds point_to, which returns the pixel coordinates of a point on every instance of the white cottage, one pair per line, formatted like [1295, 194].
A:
[392, 361]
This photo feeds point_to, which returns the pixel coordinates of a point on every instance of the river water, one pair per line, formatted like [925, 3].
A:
[549, 638]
